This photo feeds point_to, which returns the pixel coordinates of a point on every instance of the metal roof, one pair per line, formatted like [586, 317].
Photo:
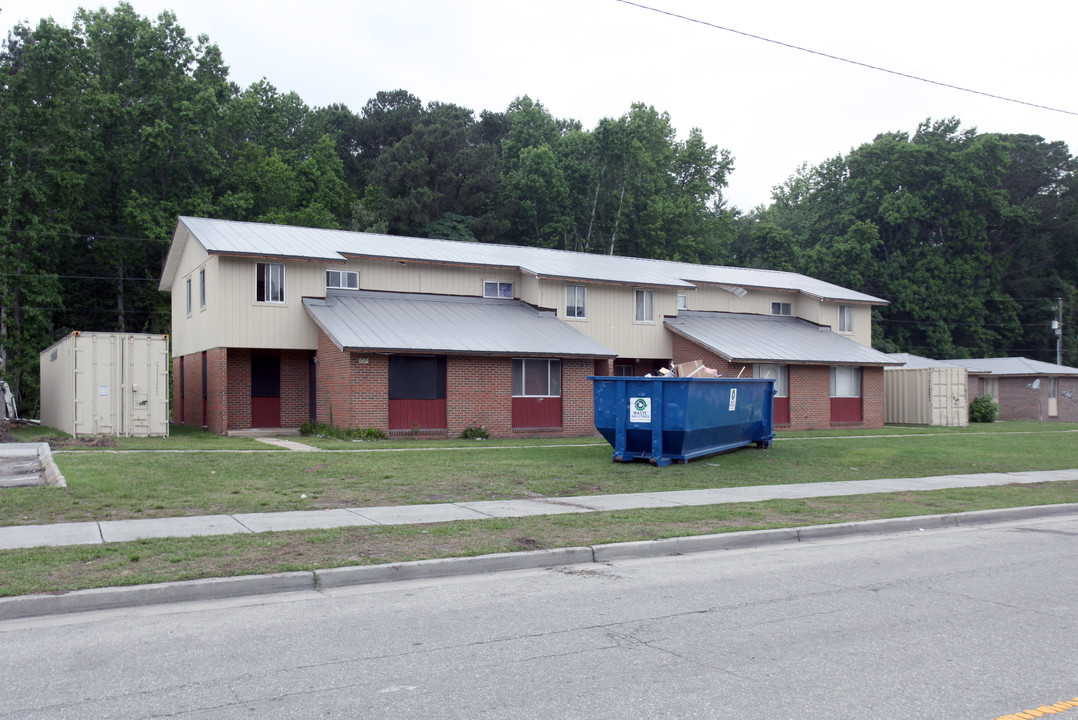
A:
[227, 237]
[403, 322]
[909, 360]
[772, 339]
[1015, 366]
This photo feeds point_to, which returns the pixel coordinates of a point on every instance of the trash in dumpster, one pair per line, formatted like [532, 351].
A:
[663, 419]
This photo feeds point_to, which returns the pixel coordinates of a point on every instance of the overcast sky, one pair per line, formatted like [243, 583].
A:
[773, 107]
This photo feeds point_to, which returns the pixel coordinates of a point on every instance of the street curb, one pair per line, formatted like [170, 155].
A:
[53, 476]
[25, 606]
[443, 567]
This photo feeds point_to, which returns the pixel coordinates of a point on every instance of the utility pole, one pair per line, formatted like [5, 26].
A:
[1057, 325]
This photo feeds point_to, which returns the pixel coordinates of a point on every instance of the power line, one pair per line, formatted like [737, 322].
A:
[846, 60]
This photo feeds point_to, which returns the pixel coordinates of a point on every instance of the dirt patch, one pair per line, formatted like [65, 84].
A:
[94, 441]
[5, 431]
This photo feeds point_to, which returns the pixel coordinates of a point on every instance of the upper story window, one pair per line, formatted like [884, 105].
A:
[269, 282]
[344, 279]
[845, 318]
[682, 302]
[202, 288]
[492, 289]
[645, 305]
[188, 296]
[781, 308]
[576, 301]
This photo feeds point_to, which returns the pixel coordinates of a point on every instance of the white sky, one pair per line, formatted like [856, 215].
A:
[772, 107]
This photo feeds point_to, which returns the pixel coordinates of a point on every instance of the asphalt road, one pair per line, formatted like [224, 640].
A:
[971, 623]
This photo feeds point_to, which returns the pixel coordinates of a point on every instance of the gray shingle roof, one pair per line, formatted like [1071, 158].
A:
[401, 322]
[1015, 366]
[909, 360]
[226, 237]
[772, 339]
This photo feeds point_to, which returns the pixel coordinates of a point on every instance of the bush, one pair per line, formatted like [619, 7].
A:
[983, 409]
[326, 430]
[474, 433]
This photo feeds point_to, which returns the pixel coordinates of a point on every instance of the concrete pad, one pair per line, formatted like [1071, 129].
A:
[287, 444]
[519, 508]
[22, 481]
[26, 536]
[300, 520]
[126, 530]
[19, 450]
[416, 514]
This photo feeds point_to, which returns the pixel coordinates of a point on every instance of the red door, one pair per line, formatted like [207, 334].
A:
[266, 390]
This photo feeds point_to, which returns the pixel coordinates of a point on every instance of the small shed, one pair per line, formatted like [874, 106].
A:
[96, 383]
[925, 392]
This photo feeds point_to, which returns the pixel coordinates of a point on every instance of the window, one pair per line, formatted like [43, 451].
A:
[344, 279]
[269, 282]
[188, 296]
[845, 381]
[576, 301]
[497, 289]
[779, 373]
[645, 305]
[202, 288]
[781, 308]
[845, 318]
[682, 302]
[536, 377]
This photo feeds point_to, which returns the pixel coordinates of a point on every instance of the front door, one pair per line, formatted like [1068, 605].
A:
[266, 390]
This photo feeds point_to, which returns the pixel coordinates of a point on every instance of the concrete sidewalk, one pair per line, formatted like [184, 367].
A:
[93, 533]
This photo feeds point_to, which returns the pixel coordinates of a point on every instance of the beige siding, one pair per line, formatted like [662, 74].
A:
[392, 276]
[245, 323]
[197, 331]
[827, 314]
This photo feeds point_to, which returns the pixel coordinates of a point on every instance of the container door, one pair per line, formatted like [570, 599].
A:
[138, 384]
[98, 368]
[265, 390]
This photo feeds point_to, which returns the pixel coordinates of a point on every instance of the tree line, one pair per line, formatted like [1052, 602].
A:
[114, 126]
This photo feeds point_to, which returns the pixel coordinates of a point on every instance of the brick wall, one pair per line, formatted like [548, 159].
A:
[478, 392]
[809, 388]
[1018, 401]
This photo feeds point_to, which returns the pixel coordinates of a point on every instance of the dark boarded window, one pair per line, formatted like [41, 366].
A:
[416, 377]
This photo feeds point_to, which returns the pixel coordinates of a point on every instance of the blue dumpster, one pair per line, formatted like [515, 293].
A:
[663, 419]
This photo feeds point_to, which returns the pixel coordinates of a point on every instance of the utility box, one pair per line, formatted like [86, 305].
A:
[926, 396]
[96, 383]
[663, 419]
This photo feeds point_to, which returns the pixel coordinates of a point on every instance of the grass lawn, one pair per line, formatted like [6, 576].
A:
[146, 478]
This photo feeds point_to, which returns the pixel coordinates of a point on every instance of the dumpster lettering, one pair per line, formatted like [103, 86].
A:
[733, 399]
[640, 410]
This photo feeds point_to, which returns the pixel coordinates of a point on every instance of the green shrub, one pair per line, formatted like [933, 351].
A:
[322, 429]
[474, 433]
[983, 409]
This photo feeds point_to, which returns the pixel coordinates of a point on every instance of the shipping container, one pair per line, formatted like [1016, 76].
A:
[926, 396]
[95, 383]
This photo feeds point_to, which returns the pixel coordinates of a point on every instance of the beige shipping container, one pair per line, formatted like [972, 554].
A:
[97, 383]
[926, 396]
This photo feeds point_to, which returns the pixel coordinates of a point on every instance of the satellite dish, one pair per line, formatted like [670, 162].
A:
[1036, 384]
[1069, 393]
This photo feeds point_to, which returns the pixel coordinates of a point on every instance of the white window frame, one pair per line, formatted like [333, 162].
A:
[551, 367]
[576, 301]
[845, 319]
[779, 373]
[780, 307]
[500, 289]
[273, 288]
[202, 289]
[846, 384]
[682, 302]
[342, 279]
[644, 306]
[188, 297]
